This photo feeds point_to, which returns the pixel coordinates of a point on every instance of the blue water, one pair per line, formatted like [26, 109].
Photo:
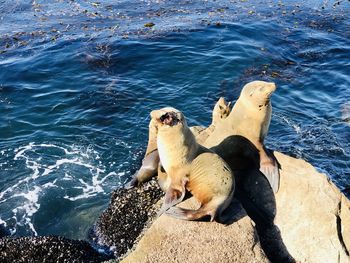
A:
[78, 80]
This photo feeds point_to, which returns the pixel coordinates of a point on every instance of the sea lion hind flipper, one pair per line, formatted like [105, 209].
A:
[272, 174]
[186, 214]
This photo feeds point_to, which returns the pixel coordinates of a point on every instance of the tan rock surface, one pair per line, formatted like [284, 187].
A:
[312, 223]
[173, 240]
[312, 215]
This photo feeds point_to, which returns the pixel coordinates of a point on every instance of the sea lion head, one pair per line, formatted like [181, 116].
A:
[221, 110]
[258, 92]
[168, 117]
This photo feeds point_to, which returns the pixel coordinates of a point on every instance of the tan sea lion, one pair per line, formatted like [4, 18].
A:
[190, 166]
[151, 159]
[221, 111]
[250, 117]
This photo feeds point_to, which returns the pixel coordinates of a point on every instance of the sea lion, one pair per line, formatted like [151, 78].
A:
[190, 166]
[221, 111]
[250, 117]
[151, 158]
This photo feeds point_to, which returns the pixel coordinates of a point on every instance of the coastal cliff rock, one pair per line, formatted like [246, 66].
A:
[311, 224]
[172, 240]
[312, 215]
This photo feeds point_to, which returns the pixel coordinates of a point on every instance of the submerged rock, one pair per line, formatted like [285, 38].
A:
[47, 249]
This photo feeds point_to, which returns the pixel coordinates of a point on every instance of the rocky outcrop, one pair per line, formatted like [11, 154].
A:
[312, 215]
[47, 249]
[307, 221]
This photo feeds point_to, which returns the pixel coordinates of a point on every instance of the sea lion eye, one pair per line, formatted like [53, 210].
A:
[220, 107]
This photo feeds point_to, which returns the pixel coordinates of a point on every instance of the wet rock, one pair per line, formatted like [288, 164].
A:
[129, 211]
[47, 249]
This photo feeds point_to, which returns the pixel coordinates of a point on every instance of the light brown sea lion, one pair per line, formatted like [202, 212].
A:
[151, 159]
[221, 111]
[250, 117]
[190, 166]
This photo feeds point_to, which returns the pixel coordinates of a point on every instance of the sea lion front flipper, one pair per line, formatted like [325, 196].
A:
[269, 167]
[173, 196]
[147, 171]
[187, 214]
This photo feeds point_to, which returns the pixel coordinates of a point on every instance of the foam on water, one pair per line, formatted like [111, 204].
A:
[69, 161]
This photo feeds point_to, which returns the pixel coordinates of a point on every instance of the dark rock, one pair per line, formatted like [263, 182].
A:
[122, 222]
[47, 249]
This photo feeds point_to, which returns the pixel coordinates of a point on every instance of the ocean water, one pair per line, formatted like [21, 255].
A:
[79, 78]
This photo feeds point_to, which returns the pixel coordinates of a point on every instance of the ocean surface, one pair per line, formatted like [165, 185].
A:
[79, 78]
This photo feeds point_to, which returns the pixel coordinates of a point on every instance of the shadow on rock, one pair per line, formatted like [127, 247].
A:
[255, 194]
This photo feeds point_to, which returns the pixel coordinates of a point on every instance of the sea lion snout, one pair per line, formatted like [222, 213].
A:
[170, 118]
[266, 88]
[269, 88]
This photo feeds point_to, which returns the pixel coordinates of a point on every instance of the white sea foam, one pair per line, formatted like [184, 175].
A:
[89, 190]
[29, 189]
[292, 124]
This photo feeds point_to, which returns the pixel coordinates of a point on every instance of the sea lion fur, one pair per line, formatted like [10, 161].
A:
[150, 160]
[190, 166]
[220, 112]
[250, 117]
